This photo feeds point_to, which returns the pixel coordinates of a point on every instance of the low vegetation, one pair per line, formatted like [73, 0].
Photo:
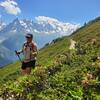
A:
[60, 74]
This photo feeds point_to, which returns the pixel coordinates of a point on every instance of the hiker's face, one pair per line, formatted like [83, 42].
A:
[29, 40]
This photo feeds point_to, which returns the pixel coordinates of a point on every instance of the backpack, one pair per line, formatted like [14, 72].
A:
[31, 46]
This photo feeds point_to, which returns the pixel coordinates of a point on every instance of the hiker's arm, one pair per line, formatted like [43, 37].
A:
[34, 53]
[20, 51]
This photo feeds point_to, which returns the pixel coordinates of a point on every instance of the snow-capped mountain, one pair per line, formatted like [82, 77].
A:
[2, 25]
[44, 30]
[53, 26]
[42, 27]
[11, 29]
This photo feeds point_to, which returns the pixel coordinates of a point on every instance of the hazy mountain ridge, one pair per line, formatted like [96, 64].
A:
[15, 32]
[6, 56]
[12, 35]
[2, 25]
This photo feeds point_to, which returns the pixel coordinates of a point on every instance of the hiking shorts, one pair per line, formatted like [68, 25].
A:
[30, 64]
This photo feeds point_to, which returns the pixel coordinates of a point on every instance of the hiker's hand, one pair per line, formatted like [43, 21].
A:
[17, 53]
[34, 54]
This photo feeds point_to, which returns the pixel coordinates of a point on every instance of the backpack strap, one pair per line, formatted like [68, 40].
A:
[32, 46]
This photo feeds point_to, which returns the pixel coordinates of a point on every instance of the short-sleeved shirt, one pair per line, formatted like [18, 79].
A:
[28, 49]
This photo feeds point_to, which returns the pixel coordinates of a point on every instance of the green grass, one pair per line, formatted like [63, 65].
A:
[88, 32]
[60, 81]
[9, 68]
[60, 71]
[47, 54]
[45, 57]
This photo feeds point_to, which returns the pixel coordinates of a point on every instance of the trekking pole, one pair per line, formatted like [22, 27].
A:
[18, 56]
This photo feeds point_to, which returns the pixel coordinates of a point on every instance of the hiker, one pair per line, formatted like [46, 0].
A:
[29, 51]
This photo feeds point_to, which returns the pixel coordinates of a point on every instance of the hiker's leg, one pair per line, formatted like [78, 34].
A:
[33, 63]
[23, 71]
[28, 70]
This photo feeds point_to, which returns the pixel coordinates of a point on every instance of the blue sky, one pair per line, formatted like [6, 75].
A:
[75, 11]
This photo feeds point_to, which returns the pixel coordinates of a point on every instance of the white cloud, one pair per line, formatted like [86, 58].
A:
[47, 19]
[11, 7]
[58, 26]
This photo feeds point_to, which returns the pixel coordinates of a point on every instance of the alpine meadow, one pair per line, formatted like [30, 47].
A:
[62, 72]
[49, 49]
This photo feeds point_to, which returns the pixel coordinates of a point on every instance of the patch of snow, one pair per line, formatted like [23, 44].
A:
[23, 24]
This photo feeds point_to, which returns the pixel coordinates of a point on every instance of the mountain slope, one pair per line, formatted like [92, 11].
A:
[44, 30]
[2, 25]
[62, 74]
[90, 30]
[5, 56]
[62, 44]
[45, 55]
[49, 29]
